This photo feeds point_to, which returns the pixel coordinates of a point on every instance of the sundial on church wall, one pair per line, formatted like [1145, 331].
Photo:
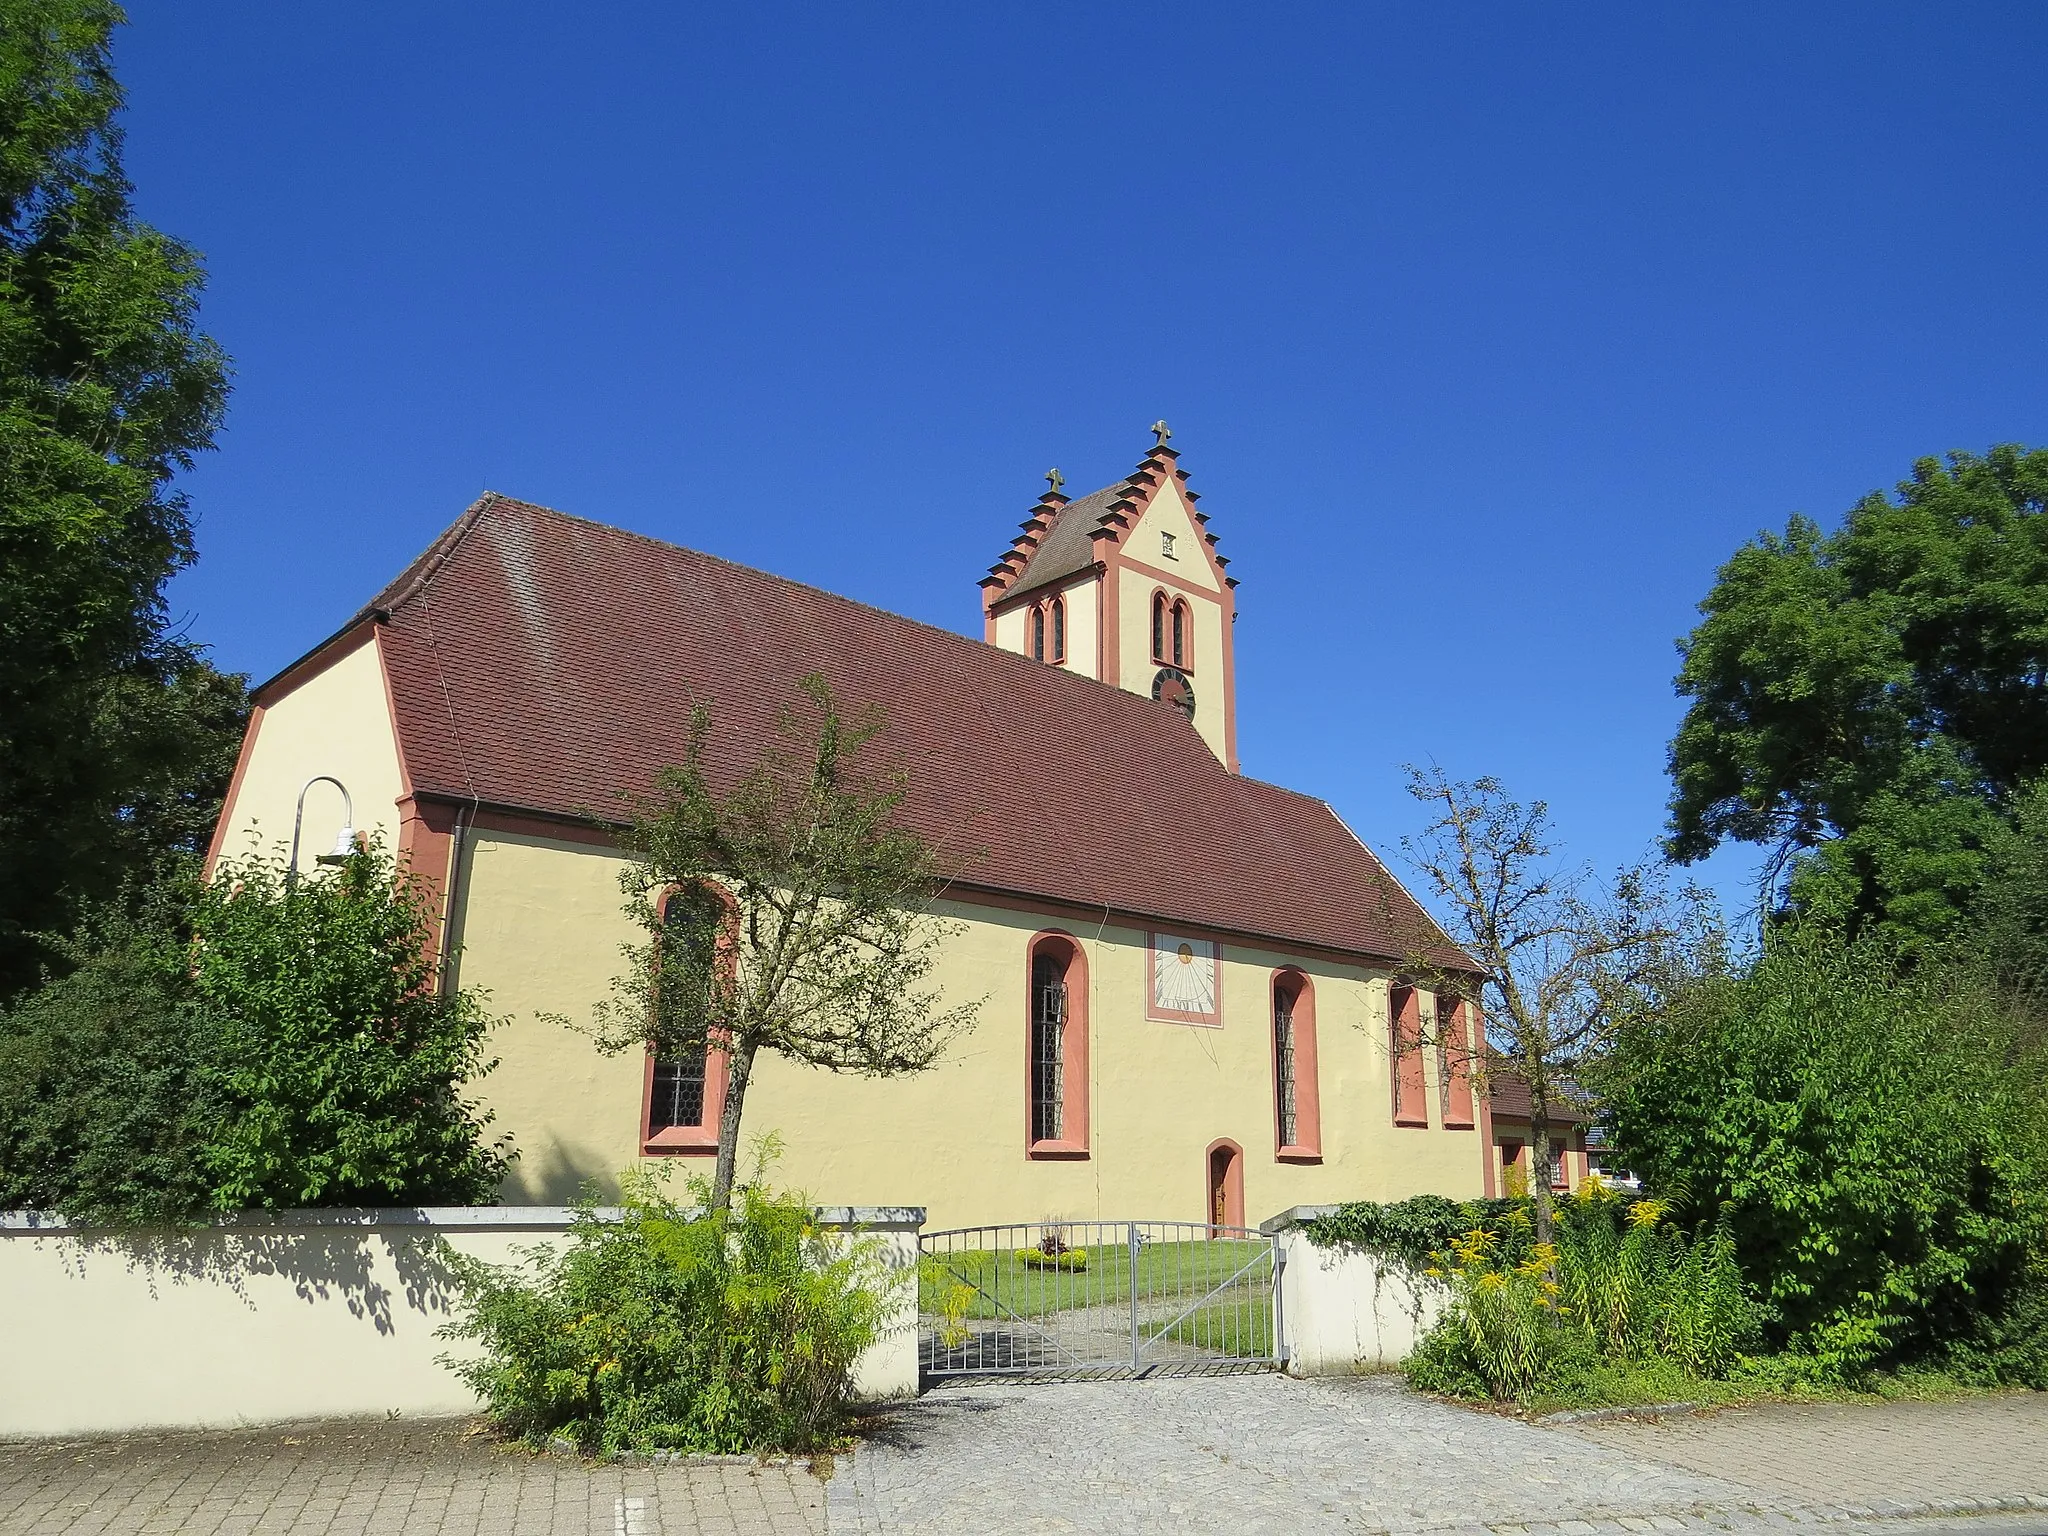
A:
[1186, 981]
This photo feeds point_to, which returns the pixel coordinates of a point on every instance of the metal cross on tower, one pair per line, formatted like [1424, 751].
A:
[1054, 480]
[1160, 433]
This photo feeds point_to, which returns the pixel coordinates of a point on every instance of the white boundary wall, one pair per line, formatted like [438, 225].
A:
[1342, 1310]
[296, 1315]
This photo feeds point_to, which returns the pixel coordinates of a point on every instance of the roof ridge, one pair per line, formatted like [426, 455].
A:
[403, 587]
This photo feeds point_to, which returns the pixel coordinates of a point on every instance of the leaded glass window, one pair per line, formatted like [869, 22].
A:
[1048, 1046]
[1283, 1065]
[679, 1075]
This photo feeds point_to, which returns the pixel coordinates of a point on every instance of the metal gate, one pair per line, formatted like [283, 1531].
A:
[1098, 1298]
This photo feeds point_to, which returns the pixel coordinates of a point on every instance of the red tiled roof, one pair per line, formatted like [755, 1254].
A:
[546, 663]
[1507, 1096]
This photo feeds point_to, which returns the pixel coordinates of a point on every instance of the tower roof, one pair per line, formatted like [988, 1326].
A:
[1062, 537]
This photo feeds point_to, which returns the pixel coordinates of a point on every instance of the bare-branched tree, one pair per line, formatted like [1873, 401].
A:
[1560, 955]
[790, 913]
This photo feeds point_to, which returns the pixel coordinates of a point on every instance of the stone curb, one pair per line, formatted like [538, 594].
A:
[566, 1450]
[1752, 1516]
[1640, 1411]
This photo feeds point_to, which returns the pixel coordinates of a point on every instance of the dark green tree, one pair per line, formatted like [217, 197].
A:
[115, 735]
[1866, 703]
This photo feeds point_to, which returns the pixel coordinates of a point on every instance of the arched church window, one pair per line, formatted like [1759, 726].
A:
[1056, 1019]
[1159, 652]
[1038, 632]
[684, 1094]
[1297, 1099]
[1181, 649]
[1059, 629]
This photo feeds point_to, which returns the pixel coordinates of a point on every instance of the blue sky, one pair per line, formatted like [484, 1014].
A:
[1487, 330]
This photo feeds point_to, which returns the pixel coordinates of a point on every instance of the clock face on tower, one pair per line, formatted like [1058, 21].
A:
[1172, 686]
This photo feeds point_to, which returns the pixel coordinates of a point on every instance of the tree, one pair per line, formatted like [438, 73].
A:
[116, 736]
[788, 913]
[1866, 703]
[1557, 956]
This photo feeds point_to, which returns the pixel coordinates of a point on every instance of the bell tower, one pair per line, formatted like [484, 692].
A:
[1125, 585]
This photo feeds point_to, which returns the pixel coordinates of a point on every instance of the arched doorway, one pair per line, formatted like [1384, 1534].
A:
[1225, 1205]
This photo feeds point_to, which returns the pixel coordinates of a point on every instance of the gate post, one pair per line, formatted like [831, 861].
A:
[888, 1369]
[1136, 1351]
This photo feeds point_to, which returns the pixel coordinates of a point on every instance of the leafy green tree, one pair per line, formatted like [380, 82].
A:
[116, 736]
[1872, 1134]
[2010, 927]
[248, 1042]
[1866, 703]
[785, 911]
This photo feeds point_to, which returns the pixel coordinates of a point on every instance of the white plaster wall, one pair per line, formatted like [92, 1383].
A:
[311, 1315]
[337, 722]
[1342, 1311]
[1169, 512]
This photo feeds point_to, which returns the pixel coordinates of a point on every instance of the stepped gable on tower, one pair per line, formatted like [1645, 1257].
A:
[542, 664]
[1062, 537]
[1126, 585]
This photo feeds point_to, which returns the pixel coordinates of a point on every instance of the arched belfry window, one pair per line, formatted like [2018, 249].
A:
[1037, 632]
[1056, 1027]
[1182, 650]
[1159, 650]
[1058, 608]
[684, 1093]
[1297, 1096]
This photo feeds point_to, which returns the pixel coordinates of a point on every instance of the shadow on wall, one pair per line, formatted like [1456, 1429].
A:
[553, 1175]
[322, 1264]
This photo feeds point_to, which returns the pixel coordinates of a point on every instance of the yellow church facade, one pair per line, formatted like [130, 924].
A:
[1192, 1000]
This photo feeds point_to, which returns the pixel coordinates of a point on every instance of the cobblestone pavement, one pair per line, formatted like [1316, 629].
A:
[1238, 1455]
[1855, 1453]
[1252, 1454]
[420, 1478]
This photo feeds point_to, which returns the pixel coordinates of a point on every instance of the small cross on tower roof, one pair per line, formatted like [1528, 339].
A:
[1054, 480]
[1160, 433]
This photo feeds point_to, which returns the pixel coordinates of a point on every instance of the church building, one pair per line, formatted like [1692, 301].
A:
[1194, 1004]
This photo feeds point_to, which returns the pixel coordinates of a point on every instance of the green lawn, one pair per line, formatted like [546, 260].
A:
[1002, 1283]
[1236, 1325]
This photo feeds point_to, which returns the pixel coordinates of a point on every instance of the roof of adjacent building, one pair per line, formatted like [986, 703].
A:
[1507, 1096]
[541, 662]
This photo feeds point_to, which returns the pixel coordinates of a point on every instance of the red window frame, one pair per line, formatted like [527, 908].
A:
[701, 1138]
[1454, 1061]
[1307, 1145]
[1072, 1142]
[1404, 1033]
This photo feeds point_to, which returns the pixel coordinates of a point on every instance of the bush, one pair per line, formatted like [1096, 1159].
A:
[247, 1044]
[344, 1060]
[1407, 1231]
[1621, 1285]
[677, 1328]
[109, 1088]
[1869, 1136]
